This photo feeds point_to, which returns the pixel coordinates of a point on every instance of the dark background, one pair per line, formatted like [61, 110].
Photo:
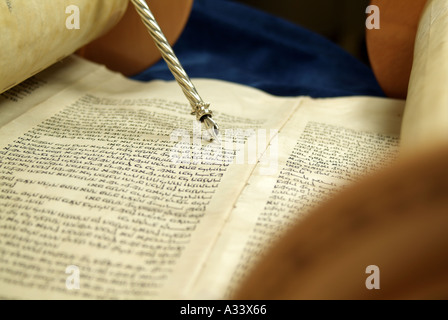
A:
[341, 21]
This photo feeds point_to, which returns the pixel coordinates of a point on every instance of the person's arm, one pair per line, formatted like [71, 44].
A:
[391, 48]
[128, 48]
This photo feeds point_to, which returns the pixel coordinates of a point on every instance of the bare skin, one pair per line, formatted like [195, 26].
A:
[394, 219]
[391, 48]
[128, 48]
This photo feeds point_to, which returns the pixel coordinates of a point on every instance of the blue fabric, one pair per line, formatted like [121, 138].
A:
[231, 41]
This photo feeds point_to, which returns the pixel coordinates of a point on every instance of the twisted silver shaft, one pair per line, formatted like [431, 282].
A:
[199, 108]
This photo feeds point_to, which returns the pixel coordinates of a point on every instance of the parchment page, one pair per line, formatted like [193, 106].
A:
[117, 183]
[34, 33]
[42, 86]
[425, 122]
[327, 145]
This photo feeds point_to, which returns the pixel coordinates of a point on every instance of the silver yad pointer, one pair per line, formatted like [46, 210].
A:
[199, 108]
